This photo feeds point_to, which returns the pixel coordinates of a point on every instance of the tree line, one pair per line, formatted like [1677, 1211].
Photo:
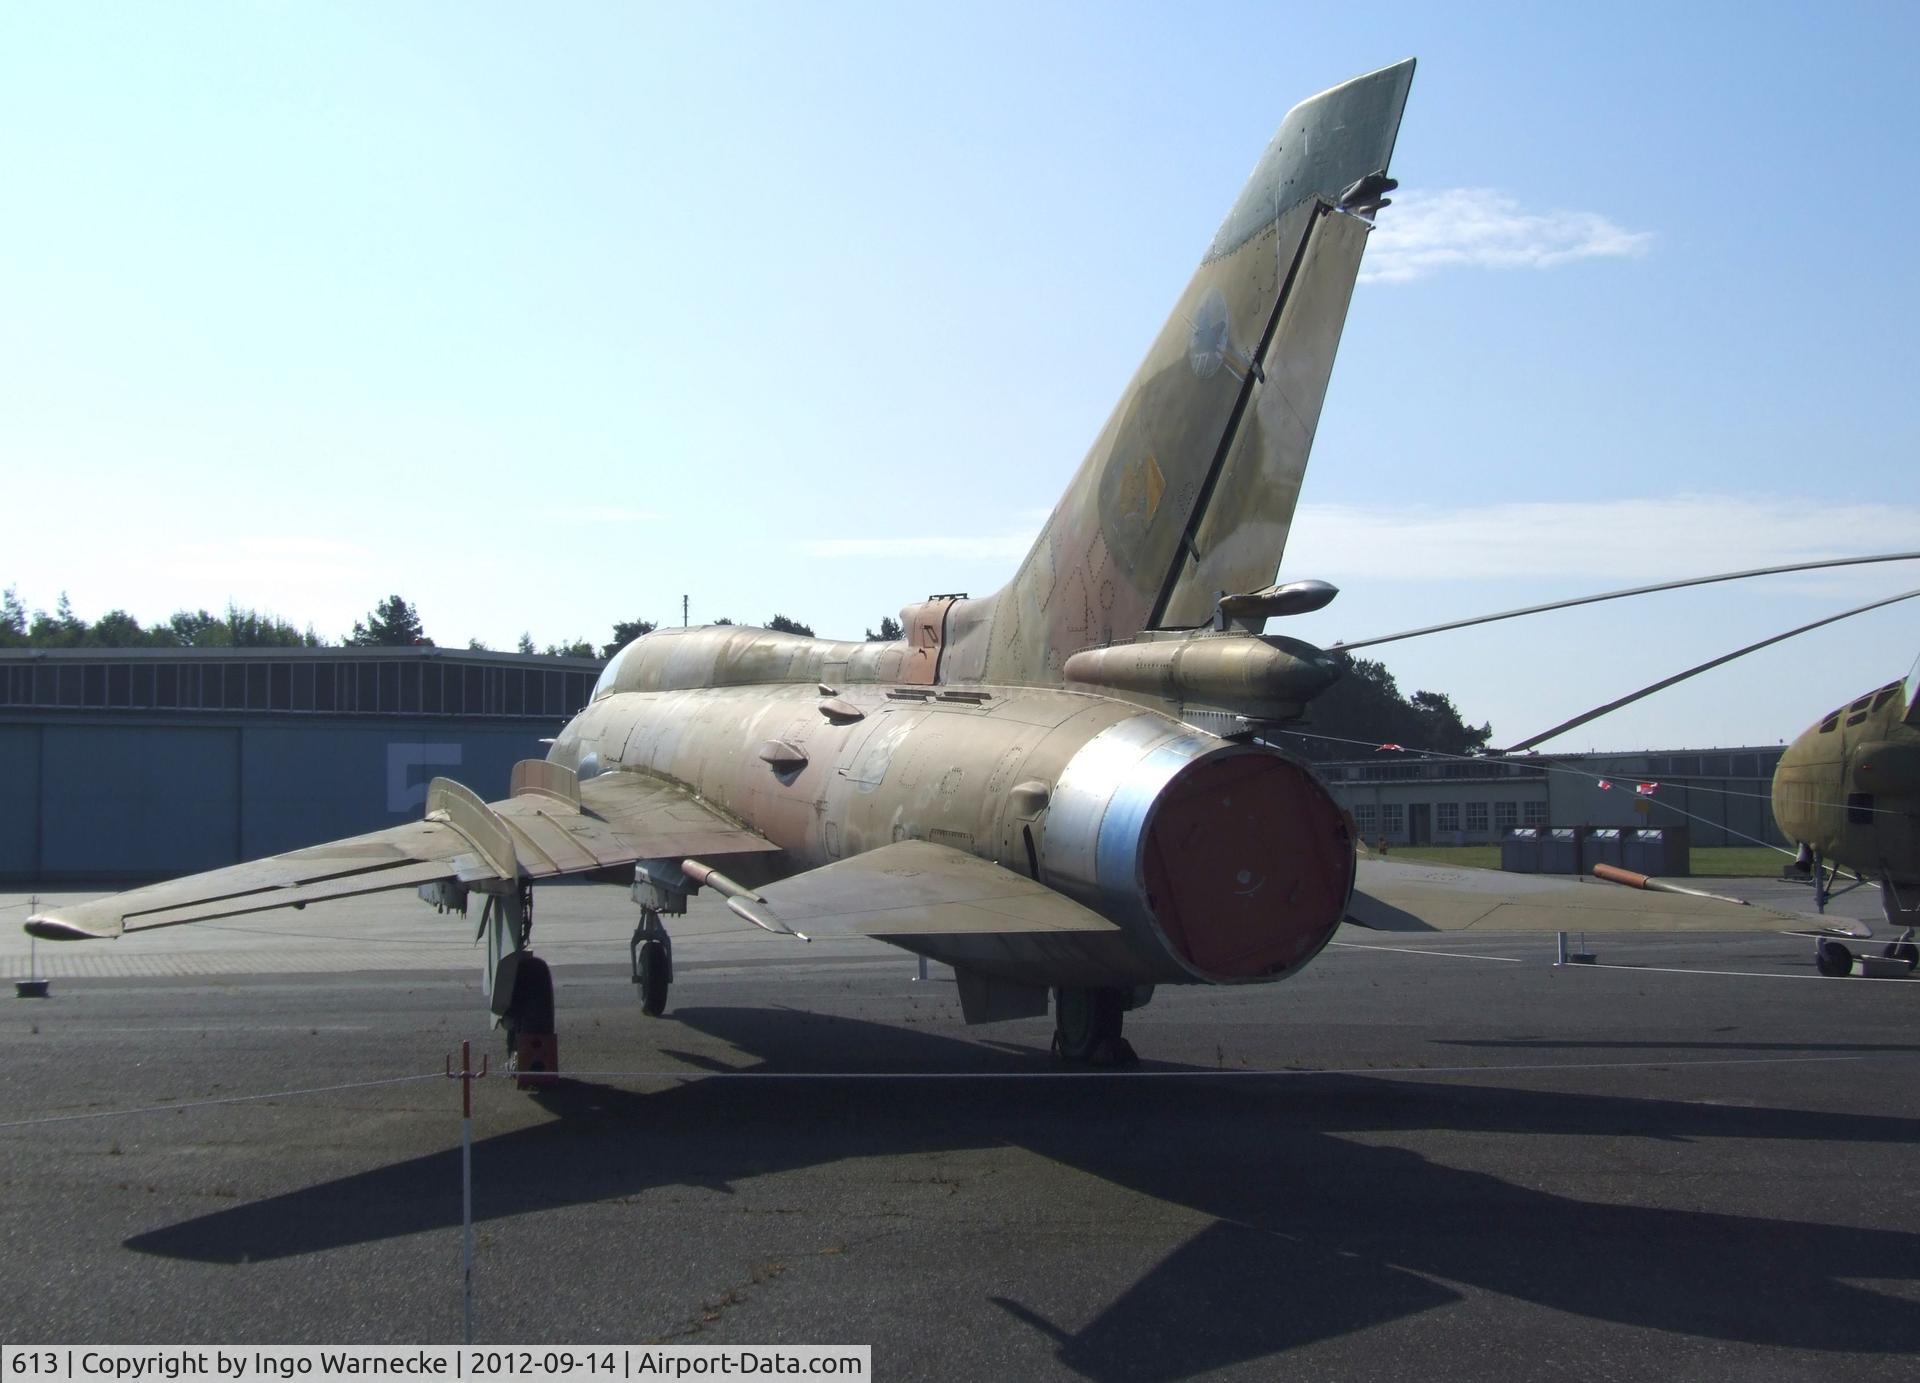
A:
[1365, 708]
[392, 623]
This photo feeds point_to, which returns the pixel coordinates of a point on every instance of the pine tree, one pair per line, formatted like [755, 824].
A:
[393, 624]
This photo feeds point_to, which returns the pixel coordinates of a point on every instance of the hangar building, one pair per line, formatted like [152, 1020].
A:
[118, 765]
[1723, 796]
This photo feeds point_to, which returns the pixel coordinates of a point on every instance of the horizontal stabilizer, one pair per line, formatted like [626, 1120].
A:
[914, 888]
[1394, 897]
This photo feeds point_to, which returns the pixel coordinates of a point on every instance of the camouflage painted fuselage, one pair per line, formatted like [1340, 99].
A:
[1850, 788]
[1219, 862]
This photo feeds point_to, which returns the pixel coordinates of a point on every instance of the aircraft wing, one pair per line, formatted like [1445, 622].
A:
[1396, 897]
[552, 824]
[914, 888]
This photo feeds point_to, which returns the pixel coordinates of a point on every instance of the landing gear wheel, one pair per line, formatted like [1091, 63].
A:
[1833, 959]
[528, 1010]
[653, 977]
[1904, 950]
[1086, 1027]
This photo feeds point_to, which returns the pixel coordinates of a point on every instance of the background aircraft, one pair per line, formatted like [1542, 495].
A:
[1848, 791]
[1055, 789]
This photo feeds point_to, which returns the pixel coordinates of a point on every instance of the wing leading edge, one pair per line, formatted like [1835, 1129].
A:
[551, 824]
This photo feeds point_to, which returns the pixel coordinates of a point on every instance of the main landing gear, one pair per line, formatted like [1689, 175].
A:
[1086, 1026]
[520, 985]
[652, 962]
[1835, 958]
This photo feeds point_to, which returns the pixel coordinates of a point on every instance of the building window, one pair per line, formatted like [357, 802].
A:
[1506, 815]
[1477, 817]
[1446, 816]
[1366, 819]
[1393, 818]
[1535, 813]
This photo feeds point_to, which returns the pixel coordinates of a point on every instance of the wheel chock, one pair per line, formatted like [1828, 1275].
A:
[536, 1059]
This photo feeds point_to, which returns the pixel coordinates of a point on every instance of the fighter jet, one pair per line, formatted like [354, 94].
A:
[1058, 789]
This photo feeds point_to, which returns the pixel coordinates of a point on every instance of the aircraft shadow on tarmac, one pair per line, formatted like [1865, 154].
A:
[1316, 1235]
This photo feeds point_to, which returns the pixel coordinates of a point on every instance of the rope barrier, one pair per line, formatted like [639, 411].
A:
[207, 1104]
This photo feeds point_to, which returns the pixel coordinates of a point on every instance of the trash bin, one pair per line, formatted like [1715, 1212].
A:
[1603, 845]
[1560, 851]
[1520, 850]
[1662, 851]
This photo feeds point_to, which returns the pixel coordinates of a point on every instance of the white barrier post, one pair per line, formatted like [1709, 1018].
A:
[466, 1075]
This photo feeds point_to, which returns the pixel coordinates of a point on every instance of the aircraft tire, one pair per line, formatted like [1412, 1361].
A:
[1833, 959]
[1086, 1025]
[654, 978]
[530, 1010]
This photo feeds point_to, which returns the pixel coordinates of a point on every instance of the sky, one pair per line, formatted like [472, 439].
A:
[546, 318]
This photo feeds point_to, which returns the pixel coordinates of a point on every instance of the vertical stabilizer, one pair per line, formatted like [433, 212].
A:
[1190, 487]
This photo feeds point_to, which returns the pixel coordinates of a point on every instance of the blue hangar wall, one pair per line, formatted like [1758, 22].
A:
[118, 766]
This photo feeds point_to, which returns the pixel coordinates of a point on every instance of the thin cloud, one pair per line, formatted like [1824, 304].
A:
[1008, 547]
[1627, 539]
[1010, 544]
[1476, 227]
[599, 513]
[242, 559]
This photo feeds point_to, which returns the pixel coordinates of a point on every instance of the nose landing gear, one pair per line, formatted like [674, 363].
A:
[661, 888]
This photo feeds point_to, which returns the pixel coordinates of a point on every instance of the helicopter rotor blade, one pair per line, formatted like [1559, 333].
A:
[1621, 595]
[1666, 682]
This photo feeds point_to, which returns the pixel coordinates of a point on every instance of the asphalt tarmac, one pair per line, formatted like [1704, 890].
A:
[1424, 1156]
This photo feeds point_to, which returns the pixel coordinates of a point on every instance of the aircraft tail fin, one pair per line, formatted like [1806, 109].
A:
[1189, 489]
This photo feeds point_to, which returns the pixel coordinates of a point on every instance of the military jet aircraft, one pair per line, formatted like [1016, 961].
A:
[1057, 789]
